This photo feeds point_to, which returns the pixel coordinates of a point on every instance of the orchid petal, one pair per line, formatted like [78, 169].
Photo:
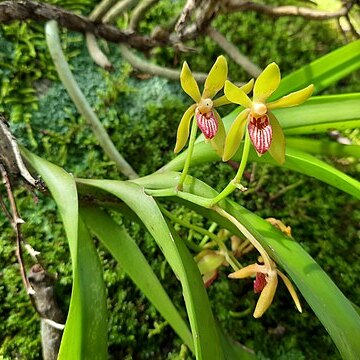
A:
[216, 78]
[293, 99]
[183, 129]
[189, 84]
[248, 271]
[208, 124]
[267, 82]
[291, 289]
[266, 296]
[260, 132]
[235, 135]
[248, 86]
[218, 141]
[210, 262]
[277, 147]
[236, 95]
[222, 100]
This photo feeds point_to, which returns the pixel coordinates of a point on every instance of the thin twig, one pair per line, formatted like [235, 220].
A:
[16, 223]
[185, 15]
[68, 80]
[234, 53]
[32, 10]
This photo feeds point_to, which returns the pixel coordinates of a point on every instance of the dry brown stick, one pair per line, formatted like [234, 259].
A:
[44, 302]
[185, 15]
[16, 223]
[32, 10]
[288, 10]
[234, 53]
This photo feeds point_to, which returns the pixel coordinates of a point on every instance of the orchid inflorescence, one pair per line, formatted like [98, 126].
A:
[263, 127]
[263, 130]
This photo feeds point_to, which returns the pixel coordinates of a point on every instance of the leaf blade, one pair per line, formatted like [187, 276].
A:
[126, 252]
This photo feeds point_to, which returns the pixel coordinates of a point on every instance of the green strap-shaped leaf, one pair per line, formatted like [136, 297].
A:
[126, 252]
[205, 336]
[322, 72]
[332, 308]
[296, 160]
[321, 114]
[85, 334]
[323, 147]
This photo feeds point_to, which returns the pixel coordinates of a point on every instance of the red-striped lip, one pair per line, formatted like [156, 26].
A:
[207, 123]
[260, 132]
[259, 283]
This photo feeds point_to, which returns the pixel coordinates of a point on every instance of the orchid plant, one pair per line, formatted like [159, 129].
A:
[82, 204]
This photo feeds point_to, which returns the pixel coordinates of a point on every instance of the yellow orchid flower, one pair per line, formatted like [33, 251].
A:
[263, 127]
[208, 119]
[265, 284]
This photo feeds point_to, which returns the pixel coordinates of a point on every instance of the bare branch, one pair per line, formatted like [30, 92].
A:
[10, 154]
[185, 14]
[28, 9]
[206, 11]
[45, 303]
[16, 223]
[234, 53]
[277, 11]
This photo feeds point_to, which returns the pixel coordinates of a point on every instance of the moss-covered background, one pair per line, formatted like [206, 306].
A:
[141, 117]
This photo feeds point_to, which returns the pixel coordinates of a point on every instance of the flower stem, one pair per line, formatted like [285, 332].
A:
[235, 182]
[189, 154]
[248, 235]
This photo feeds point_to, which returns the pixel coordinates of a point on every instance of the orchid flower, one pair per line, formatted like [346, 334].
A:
[265, 283]
[208, 119]
[264, 129]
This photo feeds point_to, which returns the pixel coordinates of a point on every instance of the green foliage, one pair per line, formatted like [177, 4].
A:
[141, 117]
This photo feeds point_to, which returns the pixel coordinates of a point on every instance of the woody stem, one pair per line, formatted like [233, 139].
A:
[235, 182]
[189, 154]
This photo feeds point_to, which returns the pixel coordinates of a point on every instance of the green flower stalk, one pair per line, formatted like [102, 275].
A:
[264, 129]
